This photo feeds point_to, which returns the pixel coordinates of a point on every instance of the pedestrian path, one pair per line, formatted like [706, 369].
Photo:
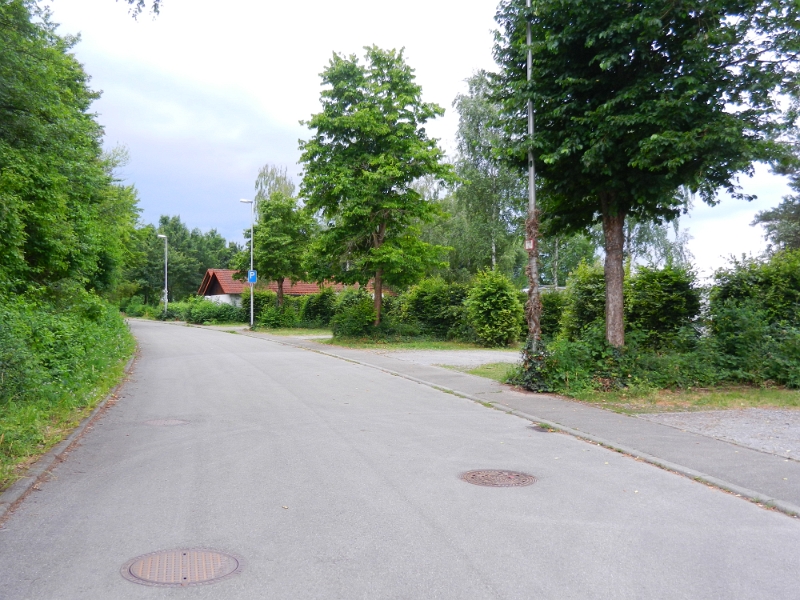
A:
[755, 475]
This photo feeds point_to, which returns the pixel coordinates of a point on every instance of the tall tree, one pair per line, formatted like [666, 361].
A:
[281, 237]
[491, 193]
[635, 99]
[369, 146]
[62, 214]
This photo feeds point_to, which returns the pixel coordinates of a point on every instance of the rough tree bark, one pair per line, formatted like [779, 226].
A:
[613, 230]
[378, 290]
[533, 308]
[280, 291]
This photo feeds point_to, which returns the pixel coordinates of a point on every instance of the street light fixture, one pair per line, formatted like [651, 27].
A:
[166, 293]
[252, 205]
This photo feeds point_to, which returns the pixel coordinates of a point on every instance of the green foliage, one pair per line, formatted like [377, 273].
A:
[560, 255]
[287, 314]
[635, 100]
[369, 146]
[190, 254]
[354, 314]
[660, 302]
[437, 307]
[61, 213]
[773, 284]
[318, 308]
[782, 223]
[204, 312]
[55, 348]
[261, 300]
[493, 309]
[585, 304]
[554, 303]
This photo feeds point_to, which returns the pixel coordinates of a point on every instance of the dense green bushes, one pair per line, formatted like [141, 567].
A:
[749, 332]
[493, 309]
[56, 347]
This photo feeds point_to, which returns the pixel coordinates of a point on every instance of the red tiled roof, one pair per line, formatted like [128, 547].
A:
[229, 285]
[226, 281]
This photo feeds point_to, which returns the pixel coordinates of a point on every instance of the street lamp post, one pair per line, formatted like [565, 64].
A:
[251, 203]
[166, 293]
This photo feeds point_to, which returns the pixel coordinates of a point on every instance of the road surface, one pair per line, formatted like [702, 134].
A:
[330, 479]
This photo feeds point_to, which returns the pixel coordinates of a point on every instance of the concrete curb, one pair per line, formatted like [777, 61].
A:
[785, 507]
[13, 496]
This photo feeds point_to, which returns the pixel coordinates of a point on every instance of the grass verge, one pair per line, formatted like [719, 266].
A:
[647, 400]
[294, 331]
[634, 400]
[370, 344]
[497, 371]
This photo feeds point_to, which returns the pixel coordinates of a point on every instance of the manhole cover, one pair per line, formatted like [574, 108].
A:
[180, 568]
[166, 422]
[493, 478]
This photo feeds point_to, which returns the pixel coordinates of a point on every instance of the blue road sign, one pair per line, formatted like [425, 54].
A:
[251, 277]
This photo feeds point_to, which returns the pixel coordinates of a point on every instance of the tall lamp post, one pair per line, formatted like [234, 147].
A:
[250, 202]
[166, 293]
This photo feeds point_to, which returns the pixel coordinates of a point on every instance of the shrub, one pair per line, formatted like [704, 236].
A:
[261, 299]
[773, 283]
[437, 307]
[554, 303]
[319, 308]
[586, 300]
[287, 315]
[354, 314]
[493, 310]
[659, 302]
[202, 311]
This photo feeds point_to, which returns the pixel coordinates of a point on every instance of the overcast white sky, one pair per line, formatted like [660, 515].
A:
[207, 92]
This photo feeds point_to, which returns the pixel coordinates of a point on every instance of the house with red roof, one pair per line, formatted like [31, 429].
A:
[220, 286]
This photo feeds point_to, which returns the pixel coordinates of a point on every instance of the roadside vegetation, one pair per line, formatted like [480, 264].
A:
[64, 225]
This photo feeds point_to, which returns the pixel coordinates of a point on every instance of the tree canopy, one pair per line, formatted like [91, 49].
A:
[368, 148]
[635, 99]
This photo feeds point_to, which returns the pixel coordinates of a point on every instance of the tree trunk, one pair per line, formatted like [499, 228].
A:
[378, 287]
[613, 230]
[555, 264]
[494, 253]
[280, 291]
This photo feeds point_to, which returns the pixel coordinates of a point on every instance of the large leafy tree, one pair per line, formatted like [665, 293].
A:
[281, 236]
[369, 146]
[488, 190]
[635, 99]
[62, 214]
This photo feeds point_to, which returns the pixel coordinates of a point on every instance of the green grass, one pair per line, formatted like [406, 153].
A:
[370, 344]
[33, 423]
[722, 398]
[497, 371]
[294, 331]
[647, 400]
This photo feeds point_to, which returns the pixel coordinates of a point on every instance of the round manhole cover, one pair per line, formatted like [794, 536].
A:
[166, 422]
[494, 478]
[180, 568]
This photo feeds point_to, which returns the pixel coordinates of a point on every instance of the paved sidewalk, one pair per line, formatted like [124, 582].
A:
[753, 474]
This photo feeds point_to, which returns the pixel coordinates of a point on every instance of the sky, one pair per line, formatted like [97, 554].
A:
[207, 92]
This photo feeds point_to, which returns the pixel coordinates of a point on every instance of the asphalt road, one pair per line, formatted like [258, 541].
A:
[335, 480]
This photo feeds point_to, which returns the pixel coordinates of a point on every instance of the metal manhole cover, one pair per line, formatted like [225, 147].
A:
[494, 478]
[181, 568]
[166, 422]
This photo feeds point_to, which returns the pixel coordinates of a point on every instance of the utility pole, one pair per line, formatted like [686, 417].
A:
[534, 308]
[166, 289]
[252, 210]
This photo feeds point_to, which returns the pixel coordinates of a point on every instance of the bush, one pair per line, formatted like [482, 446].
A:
[660, 302]
[354, 314]
[436, 306]
[493, 309]
[586, 300]
[261, 300]
[319, 308]
[55, 349]
[554, 304]
[288, 315]
[774, 284]
[202, 311]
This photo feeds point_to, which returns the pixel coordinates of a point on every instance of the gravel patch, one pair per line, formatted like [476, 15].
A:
[770, 430]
